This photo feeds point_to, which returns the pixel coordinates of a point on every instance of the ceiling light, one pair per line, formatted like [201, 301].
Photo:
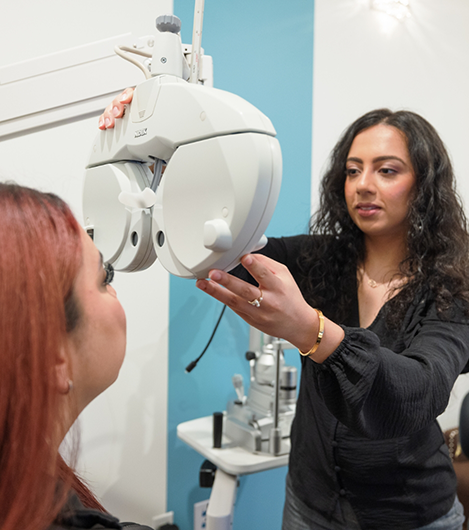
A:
[396, 8]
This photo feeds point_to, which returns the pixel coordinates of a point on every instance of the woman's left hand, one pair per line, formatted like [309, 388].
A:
[115, 109]
[283, 312]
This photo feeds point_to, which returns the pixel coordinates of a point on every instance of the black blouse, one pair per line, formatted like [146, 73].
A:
[365, 425]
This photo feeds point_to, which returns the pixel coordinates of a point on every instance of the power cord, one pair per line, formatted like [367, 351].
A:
[125, 51]
[193, 364]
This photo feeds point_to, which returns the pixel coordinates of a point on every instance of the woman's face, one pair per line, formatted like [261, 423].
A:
[380, 182]
[98, 342]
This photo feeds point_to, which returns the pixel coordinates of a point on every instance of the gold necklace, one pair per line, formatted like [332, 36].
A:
[372, 283]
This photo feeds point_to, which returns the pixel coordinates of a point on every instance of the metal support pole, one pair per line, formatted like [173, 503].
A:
[221, 503]
[275, 439]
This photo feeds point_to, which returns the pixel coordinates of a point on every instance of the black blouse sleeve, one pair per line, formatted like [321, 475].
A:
[381, 393]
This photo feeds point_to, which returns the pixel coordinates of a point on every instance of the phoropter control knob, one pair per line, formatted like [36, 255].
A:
[168, 23]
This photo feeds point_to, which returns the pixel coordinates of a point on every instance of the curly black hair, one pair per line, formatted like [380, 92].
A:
[437, 240]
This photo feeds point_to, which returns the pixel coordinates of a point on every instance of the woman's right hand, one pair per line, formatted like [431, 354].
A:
[280, 311]
[115, 109]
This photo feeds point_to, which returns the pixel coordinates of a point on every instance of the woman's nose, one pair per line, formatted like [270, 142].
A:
[366, 182]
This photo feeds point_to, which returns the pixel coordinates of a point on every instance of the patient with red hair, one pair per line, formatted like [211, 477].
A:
[62, 343]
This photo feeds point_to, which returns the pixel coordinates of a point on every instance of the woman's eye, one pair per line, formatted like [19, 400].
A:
[388, 171]
[351, 172]
[109, 273]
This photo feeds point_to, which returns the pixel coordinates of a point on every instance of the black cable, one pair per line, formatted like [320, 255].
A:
[193, 364]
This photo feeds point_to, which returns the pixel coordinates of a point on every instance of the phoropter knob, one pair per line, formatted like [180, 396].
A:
[168, 23]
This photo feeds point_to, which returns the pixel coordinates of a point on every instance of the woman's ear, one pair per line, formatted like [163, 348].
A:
[63, 372]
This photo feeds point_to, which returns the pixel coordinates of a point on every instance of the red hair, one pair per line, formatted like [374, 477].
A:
[40, 255]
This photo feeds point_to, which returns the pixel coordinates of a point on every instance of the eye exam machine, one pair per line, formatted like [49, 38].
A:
[191, 176]
[215, 178]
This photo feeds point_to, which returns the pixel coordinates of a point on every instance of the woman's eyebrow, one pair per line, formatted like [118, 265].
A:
[388, 157]
[376, 159]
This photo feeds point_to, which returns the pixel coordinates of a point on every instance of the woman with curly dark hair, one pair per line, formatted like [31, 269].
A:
[387, 267]
[437, 239]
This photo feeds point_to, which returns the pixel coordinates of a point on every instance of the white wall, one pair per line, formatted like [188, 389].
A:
[31, 28]
[124, 432]
[364, 60]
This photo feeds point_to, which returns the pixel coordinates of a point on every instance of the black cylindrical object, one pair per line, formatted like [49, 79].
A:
[217, 429]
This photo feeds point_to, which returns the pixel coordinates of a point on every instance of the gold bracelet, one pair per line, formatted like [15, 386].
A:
[454, 452]
[320, 334]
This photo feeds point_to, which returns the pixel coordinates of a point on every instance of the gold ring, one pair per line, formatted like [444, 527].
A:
[257, 301]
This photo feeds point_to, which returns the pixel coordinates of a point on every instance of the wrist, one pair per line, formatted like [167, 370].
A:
[319, 335]
[330, 341]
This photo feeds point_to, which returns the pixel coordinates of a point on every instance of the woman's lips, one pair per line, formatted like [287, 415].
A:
[367, 210]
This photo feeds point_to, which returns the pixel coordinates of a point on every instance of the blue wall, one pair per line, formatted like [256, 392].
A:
[262, 51]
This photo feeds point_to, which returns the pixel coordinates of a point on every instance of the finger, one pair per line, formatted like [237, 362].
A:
[263, 269]
[117, 107]
[106, 120]
[238, 306]
[233, 292]
[126, 96]
[244, 291]
[102, 119]
[115, 110]
[216, 291]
